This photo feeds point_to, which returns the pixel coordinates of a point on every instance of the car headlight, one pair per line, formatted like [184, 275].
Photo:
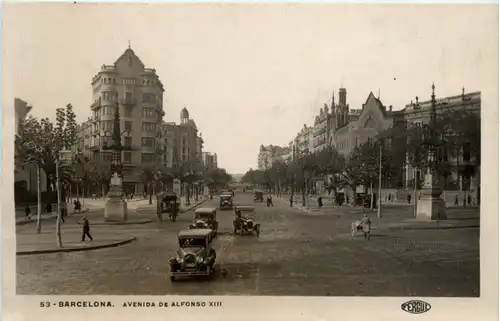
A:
[199, 259]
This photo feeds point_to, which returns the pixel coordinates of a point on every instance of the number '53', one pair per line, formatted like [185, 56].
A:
[44, 304]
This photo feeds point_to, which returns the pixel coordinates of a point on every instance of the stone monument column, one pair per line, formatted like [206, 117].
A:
[115, 209]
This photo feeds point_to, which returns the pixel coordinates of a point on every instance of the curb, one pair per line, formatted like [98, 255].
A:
[132, 222]
[78, 249]
[408, 228]
[52, 217]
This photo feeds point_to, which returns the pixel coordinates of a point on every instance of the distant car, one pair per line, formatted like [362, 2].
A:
[245, 224]
[205, 218]
[195, 256]
[226, 201]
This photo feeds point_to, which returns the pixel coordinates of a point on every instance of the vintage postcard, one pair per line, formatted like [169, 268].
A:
[265, 161]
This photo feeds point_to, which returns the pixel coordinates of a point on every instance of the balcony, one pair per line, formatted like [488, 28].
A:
[96, 119]
[129, 101]
[94, 147]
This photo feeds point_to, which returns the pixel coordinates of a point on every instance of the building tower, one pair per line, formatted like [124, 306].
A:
[184, 116]
[137, 92]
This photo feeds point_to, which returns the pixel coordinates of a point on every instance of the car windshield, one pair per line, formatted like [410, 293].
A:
[192, 242]
[203, 216]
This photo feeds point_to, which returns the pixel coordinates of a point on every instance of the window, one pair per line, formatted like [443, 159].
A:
[107, 125]
[147, 158]
[106, 157]
[128, 141]
[149, 127]
[109, 96]
[108, 110]
[129, 96]
[127, 157]
[128, 81]
[128, 111]
[148, 98]
[148, 142]
[148, 112]
[128, 125]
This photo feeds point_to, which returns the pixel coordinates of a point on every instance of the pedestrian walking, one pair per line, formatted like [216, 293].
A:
[409, 198]
[27, 211]
[86, 229]
[291, 201]
[389, 197]
[456, 200]
[48, 208]
[320, 201]
[366, 223]
[469, 200]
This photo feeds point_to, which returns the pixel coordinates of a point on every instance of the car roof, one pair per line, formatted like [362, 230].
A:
[245, 208]
[198, 232]
[207, 210]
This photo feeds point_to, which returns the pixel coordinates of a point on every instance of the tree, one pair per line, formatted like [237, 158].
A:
[150, 175]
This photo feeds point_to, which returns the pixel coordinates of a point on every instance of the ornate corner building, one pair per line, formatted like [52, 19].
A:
[138, 93]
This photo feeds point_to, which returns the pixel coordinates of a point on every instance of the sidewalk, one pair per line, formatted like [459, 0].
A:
[393, 217]
[43, 217]
[28, 242]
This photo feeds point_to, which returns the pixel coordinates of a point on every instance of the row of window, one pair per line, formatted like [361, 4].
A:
[129, 81]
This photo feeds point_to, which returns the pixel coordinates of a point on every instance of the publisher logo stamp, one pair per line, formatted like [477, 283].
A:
[416, 307]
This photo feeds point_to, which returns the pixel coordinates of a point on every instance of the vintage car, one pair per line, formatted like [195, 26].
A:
[205, 218]
[195, 256]
[226, 200]
[258, 196]
[167, 202]
[245, 223]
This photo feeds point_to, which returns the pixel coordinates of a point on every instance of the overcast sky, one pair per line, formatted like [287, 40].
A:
[250, 74]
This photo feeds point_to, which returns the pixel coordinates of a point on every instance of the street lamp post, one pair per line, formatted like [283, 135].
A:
[430, 205]
[379, 208]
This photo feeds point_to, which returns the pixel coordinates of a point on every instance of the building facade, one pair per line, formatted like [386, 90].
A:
[270, 154]
[209, 161]
[355, 128]
[419, 113]
[181, 142]
[137, 92]
[320, 130]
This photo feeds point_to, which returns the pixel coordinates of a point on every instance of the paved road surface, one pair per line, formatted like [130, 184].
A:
[296, 254]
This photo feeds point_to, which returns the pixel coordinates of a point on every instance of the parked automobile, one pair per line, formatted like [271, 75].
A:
[205, 218]
[195, 256]
[244, 221]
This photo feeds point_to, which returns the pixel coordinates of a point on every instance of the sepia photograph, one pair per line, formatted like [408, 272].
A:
[221, 150]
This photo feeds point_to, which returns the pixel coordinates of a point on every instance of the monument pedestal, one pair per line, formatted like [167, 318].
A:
[115, 209]
[430, 206]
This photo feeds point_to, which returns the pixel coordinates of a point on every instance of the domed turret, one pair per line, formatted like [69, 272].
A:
[184, 115]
